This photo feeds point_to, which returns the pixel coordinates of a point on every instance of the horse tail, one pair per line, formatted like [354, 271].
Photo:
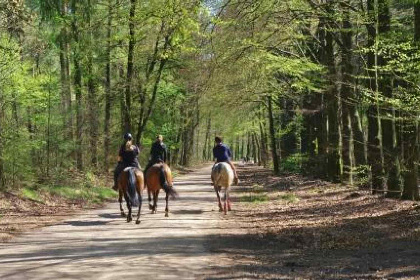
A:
[166, 185]
[132, 188]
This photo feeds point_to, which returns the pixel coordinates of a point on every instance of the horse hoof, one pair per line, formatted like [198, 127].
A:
[137, 222]
[220, 210]
[229, 209]
[166, 214]
[123, 214]
[150, 207]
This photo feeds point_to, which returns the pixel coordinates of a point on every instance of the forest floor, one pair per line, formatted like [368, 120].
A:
[302, 228]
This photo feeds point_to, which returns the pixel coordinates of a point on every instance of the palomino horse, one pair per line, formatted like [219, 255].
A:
[153, 183]
[222, 177]
[131, 185]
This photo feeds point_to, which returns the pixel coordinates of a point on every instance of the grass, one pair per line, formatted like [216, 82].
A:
[255, 198]
[289, 197]
[85, 192]
[31, 193]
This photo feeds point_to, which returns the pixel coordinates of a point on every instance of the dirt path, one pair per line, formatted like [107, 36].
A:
[101, 245]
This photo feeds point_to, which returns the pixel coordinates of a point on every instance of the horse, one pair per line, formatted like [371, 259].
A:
[131, 185]
[222, 177]
[153, 183]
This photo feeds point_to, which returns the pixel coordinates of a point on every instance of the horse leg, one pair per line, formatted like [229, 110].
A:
[225, 201]
[129, 217]
[167, 209]
[150, 199]
[229, 206]
[120, 201]
[155, 199]
[216, 188]
[138, 213]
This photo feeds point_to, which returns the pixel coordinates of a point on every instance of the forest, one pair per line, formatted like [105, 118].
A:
[327, 88]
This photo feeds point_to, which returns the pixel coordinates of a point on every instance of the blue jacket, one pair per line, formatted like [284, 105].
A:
[222, 153]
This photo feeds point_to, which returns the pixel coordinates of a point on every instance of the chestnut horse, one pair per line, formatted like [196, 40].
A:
[131, 185]
[154, 185]
[222, 177]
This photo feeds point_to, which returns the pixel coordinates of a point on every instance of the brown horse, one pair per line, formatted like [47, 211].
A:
[153, 183]
[131, 185]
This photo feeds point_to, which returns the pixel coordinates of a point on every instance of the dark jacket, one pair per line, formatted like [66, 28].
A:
[129, 158]
[222, 153]
[158, 152]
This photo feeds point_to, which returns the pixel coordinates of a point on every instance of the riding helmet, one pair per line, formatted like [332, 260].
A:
[128, 136]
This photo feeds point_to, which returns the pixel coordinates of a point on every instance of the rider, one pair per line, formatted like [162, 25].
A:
[222, 153]
[127, 157]
[159, 154]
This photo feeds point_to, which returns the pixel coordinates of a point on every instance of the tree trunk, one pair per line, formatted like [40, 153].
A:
[208, 140]
[374, 139]
[2, 175]
[107, 137]
[347, 97]
[92, 98]
[78, 89]
[410, 134]
[332, 103]
[276, 166]
[130, 68]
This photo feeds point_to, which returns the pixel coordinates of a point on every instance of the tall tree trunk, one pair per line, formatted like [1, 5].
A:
[320, 118]
[92, 98]
[332, 102]
[410, 134]
[78, 88]
[107, 137]
[276, 166]
[391, 155]
[374, 138]
[65, 77]
[347, 97]
[145, 113]
[2, 175]
[208, 140]
[130, 68]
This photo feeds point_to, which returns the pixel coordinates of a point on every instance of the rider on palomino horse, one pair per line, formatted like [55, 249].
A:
[222, 153]
[127, 157]
[159, 154]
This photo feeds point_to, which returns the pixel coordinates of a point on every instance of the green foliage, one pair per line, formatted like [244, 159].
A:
[294, 163]
[362, 177]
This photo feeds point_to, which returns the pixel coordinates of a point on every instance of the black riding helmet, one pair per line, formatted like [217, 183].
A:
[128, 136]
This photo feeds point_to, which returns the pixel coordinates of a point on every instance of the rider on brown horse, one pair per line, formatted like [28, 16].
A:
[159, 154]
[127, 157]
